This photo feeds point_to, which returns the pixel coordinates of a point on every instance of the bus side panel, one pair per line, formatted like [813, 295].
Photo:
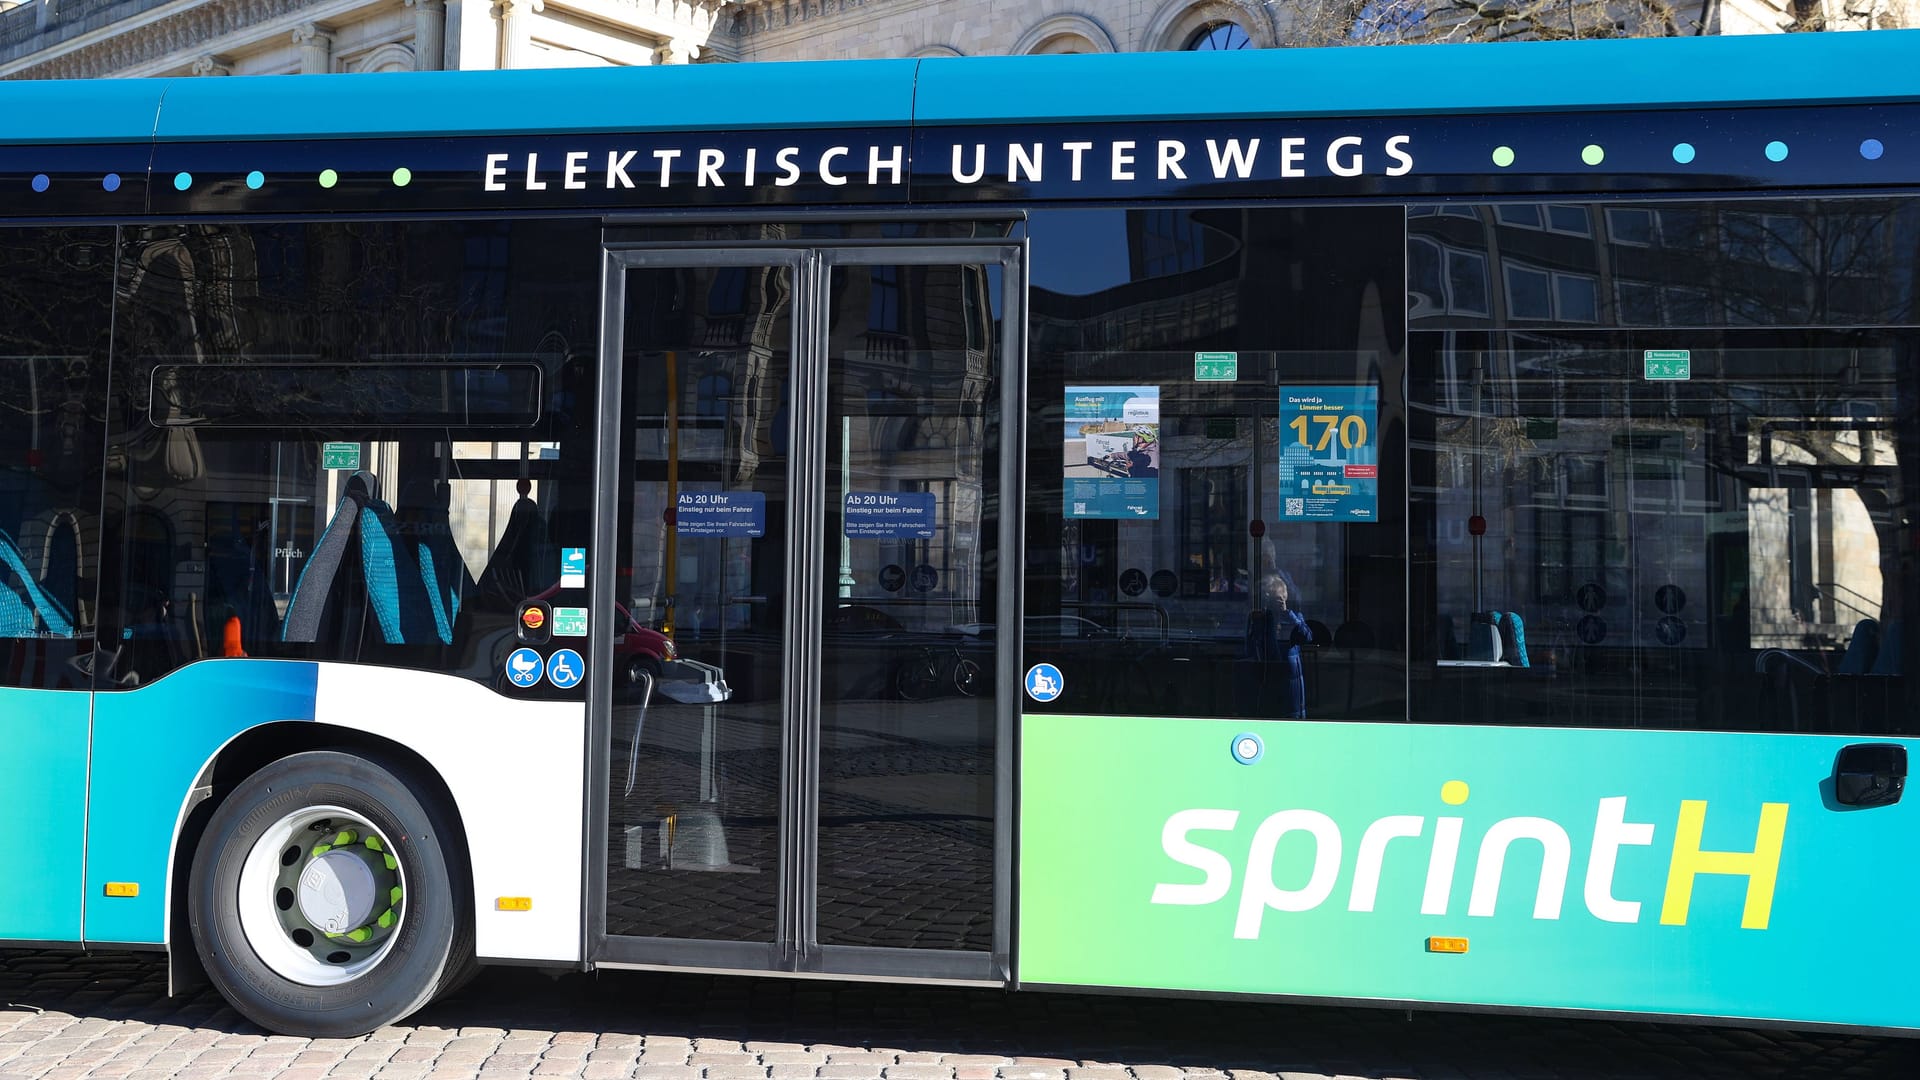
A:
[149, 746]
[43, 798]
[1667, 872]
[516, 769]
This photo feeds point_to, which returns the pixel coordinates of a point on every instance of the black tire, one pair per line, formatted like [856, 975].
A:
[427, 951]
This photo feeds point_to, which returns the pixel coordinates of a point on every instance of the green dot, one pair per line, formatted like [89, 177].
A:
[1593, 155]
[1503, 156]
[328, 178]
[402, 176]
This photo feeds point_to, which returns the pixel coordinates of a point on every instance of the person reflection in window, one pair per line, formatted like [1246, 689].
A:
[1275, 633]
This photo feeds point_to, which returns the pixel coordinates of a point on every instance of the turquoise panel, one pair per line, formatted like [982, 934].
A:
[715, 97]
[98, 110]
[149, 746]
[1769, 69]
[43, 799]
[1685, 873]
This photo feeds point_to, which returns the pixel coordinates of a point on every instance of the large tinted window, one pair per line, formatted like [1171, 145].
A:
[56, 308]
[346, 441]
[1700, 519]
[1216, 448]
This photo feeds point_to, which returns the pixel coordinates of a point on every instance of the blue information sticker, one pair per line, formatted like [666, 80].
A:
[524, 667]
[565, 669]
[1329, 453]
[573, 568]
[1044, 682]
[889, 515]
[721, 513]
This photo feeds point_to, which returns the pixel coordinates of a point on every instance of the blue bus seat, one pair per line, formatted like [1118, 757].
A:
[27, 608]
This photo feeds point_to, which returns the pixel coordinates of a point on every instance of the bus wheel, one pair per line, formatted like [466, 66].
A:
[322, 900]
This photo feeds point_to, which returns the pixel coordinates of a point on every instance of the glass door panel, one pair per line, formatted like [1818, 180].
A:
[905, 825]
[700, 682]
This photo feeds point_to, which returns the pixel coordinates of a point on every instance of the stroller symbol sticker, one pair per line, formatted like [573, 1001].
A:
[1044, 682]
[566, 669]
[524, 667]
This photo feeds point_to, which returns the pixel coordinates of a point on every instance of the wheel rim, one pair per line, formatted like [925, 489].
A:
[322, 897]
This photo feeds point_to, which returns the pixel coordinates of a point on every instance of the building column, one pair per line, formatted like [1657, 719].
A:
[212, 65]
[316, 48]
[675, 51]
[429, 34]
[514, 16]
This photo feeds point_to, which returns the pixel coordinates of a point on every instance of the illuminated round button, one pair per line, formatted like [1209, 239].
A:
[328, 178]
[1503, 156]
[1776, 151]
[533, 618]
[111, 181]
[182, 181]
[1592, 154]
[1247, 748]
[40, 182]
[402, 176]
[255, 179]
[1683, 153]
[1872, 149]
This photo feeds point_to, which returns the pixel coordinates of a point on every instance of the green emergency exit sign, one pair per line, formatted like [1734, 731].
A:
[340, 455]
[1667, 364]
[1216, 366]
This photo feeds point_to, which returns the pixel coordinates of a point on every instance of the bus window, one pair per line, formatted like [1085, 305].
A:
[1215, 496]
[54, 317]
[347, 442]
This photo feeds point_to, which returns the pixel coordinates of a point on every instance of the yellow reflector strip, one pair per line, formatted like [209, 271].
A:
[123, 888]
[1447, 944]
[513, 903]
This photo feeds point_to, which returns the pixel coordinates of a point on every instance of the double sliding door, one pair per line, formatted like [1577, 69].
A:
[811, 650]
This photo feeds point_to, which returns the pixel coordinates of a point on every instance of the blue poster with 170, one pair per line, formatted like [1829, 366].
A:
[1329, 453]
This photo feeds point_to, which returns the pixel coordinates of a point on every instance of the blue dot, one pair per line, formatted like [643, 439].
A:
[111, 181]
[1871, 149]
[1776, 151]
[255, 179]
[40, 182]
[1683, 152]
[182, 181]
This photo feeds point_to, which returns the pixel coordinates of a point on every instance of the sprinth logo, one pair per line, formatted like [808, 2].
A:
[1611, 832]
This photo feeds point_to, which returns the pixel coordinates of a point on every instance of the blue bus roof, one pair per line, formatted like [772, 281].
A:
[1761, 70]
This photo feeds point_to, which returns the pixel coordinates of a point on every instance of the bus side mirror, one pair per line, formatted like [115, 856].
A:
[1870, 774]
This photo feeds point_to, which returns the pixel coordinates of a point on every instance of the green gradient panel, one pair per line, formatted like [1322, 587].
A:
[1827, 943]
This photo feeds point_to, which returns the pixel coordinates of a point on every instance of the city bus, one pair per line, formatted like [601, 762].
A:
[1460, 530]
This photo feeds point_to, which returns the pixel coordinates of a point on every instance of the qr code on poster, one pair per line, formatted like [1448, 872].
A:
[1079, 508]
[1296, 507]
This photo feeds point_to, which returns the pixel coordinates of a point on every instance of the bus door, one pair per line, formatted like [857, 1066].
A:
[809, 667]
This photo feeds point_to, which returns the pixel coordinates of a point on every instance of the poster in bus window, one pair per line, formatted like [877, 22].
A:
[1113, 452]
[1329, 453]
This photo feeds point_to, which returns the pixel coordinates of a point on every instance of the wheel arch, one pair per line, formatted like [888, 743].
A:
[247, 753]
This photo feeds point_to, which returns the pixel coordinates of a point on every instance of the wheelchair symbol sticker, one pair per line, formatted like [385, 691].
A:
[1044, 682]
[565, 669]
[524, 667]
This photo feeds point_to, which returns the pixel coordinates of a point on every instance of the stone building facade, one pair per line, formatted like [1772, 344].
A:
[42, 39]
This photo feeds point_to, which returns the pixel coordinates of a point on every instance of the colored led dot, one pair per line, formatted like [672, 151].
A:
[1592, 154]
[40, 182]
[1453, 792]
[182, 181]
[1503, 156]
[111, 181]
[255, 179]
[1776, 151]
[328, 178]
[402, 176]
[1683, 152]
[1871, 149]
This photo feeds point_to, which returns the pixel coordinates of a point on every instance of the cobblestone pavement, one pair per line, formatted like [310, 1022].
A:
[65, 1015]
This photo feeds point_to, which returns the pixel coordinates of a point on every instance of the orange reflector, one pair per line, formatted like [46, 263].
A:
[1447, 944]
[513, 903]
[533, 618]
[123, 888]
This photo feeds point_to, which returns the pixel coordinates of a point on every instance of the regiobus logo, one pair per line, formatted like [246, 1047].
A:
[1611, 832]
